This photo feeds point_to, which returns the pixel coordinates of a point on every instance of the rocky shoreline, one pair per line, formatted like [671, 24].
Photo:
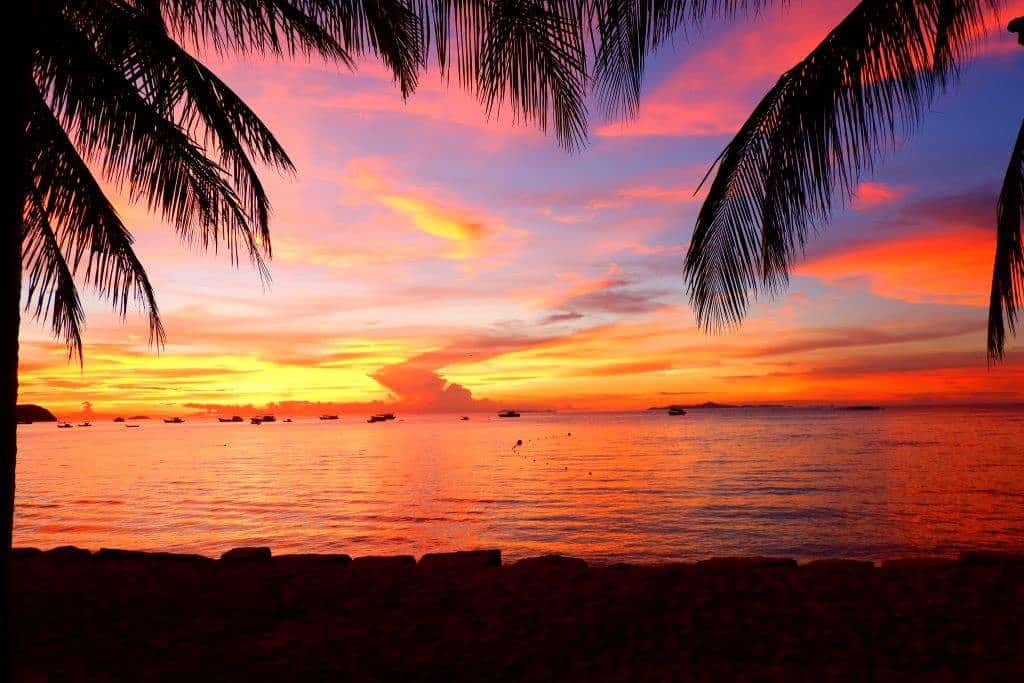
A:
[252, 615]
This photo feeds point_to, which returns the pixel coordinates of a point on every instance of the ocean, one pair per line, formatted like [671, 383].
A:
[638, 487]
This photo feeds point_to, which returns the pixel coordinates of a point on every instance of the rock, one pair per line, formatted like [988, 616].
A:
[747, 563]
[259, 553]
[69, 552]
[839, 564]
[383, 563]
[918, 563]
[464, 559]
[118, 553]
[558, 564]
[299, 559]
[990, 557]
[25, 552]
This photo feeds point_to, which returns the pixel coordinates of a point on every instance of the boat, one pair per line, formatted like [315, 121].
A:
[387, 416]
[508, 413]
[85, 424]
[328, 417]
[64, 425]
[268, 418]
[464, 417]
[173, 420]
[287, 419]
[379, 418]
[256, 420]
[132, 426]
[233, 418]
[676, 411]
[118, 419]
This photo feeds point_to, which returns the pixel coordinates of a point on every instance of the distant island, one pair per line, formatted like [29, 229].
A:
[706, 404]
[711, 405]
[27, 413]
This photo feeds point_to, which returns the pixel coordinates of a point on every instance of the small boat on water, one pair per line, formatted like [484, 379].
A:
[233, 418]
[132, 426]
[677, 411]
[287, 419]
[256, 420]
[464, 417]
[328, 417]
[173, 420]
[508, 413]
[64, 425]
[85, 424]
[268, 418]
[118, 419]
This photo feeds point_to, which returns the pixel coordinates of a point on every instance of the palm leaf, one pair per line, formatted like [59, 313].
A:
[628, 31]
[140, 150]
[1008, 272]
[806, 146]
[534, 60]
[50, 293]
[276, 27]
[84, 223]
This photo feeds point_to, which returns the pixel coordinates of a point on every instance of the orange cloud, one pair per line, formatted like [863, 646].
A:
[467, 232]
[951, 267]
[871, 194]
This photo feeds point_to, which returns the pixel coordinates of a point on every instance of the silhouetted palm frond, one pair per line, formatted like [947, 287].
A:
[627, 32]
[1008, 273]
[275, 27]
[806, 145]
[50, 292]
[140, 150]
[534, 59]
[576, 44]
[85, 226]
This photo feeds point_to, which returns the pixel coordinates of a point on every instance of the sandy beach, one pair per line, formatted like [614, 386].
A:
[122, 615]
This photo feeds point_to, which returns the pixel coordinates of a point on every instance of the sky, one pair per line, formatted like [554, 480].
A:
[429, 258]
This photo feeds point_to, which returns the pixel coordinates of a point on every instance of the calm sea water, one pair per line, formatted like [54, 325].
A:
[639, 487]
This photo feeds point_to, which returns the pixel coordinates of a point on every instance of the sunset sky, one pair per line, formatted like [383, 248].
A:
[428, 257]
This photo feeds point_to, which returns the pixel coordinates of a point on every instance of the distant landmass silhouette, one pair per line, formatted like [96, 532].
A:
[713, 404]
[29, 412]
[706, 404]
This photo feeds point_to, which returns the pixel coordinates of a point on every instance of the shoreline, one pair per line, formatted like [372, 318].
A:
[493, 557]
[252, 615]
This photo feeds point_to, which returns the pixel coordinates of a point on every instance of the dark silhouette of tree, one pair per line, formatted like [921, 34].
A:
[107, 89]
[825, 123]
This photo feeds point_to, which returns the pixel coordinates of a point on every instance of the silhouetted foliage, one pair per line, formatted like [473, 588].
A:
[807, 145]
[1008, 273]
[117, 94]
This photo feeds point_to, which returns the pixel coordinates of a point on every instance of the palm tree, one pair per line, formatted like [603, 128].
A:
[106, 89]
[825, 123]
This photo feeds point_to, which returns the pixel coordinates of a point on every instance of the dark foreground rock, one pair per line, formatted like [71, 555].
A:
[120, 615]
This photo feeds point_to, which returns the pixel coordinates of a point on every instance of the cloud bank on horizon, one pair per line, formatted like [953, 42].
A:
[428, 258]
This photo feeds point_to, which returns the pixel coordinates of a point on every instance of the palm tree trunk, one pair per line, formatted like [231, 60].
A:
[21, 84]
